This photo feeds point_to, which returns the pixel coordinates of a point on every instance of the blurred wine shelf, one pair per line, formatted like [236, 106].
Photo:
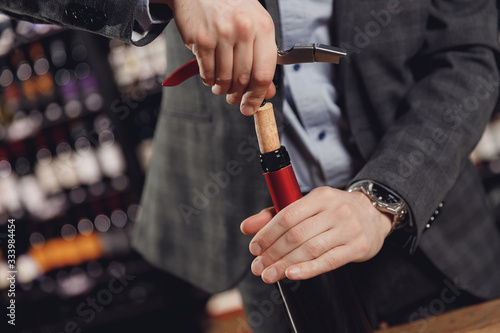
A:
[77, 117]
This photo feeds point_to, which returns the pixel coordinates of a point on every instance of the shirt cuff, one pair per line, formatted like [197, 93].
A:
[146, 16]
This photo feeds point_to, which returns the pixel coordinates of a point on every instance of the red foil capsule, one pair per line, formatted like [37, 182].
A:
[283, 187]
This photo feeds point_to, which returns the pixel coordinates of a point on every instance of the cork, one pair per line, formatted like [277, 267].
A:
[265, 127]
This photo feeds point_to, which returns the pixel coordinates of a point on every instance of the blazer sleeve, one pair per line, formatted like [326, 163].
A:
[443, 115]
[116, 19]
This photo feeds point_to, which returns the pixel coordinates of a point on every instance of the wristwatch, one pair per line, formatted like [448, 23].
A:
[384, 200]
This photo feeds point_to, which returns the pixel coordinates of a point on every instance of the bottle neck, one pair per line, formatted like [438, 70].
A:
[275, 160]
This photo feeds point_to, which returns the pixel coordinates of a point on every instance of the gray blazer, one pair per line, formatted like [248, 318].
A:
[418, 88]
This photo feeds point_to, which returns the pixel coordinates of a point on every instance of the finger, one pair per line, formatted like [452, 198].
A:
[304, 237]
[286, 219]
[223, 68]
[310, 250]
[264, 65]
[333, 259]
[206, 63]
[252, 224]
[234, 98]
[242, 69]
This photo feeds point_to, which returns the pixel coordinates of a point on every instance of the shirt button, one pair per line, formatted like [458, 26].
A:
[296, 67]
[322, 135]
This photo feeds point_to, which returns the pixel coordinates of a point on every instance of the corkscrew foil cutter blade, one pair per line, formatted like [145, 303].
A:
[299, 53]
[302, 53]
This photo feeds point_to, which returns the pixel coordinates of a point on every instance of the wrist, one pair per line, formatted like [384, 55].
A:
[385, 201]
[383, 220]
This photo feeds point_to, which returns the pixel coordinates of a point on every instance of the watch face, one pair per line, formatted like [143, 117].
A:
[383, 196]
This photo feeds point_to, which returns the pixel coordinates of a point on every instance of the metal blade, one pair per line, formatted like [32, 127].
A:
[302, 53]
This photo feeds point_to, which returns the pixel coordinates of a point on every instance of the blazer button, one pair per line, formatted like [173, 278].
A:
[85, 17]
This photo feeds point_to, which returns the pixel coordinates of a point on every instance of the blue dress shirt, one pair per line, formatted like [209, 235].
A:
[313, 121]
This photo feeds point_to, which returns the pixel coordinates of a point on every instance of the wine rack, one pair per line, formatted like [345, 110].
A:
[77, 117]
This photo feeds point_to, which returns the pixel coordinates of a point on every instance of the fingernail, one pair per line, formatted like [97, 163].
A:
[247, 110]
[233, 98]
[255, 249]
[294, 273]
[257, 267]
[207, 83]
[270, 275]
[216, 89]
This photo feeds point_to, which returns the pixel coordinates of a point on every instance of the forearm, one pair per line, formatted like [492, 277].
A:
[445, 112]
[423, 153]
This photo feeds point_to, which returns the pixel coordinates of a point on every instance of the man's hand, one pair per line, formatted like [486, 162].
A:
[234, 43]
[320, 232]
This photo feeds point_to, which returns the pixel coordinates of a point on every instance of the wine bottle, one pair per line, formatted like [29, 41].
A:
[9, 194]
[44, 170]
[89, 92]
[326, 303]
[11, 95]
[31, 193]
[110, 155]
[23, 78]
[44, 79]
[64, 163]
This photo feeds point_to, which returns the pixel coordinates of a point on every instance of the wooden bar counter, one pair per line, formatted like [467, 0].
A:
[479, 318]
